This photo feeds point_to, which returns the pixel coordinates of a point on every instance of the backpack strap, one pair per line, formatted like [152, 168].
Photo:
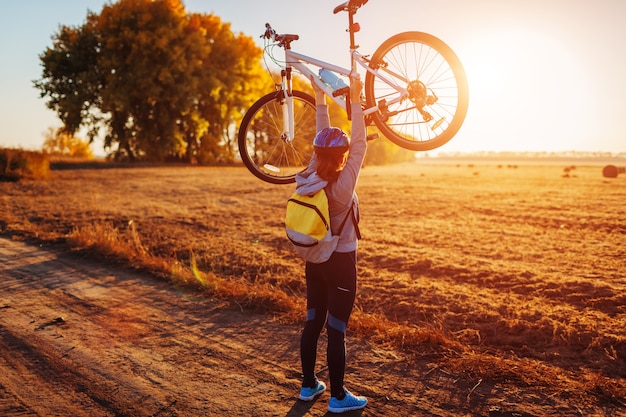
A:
[356, 224]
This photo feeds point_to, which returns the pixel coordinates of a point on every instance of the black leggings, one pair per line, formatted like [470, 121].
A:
[330, 292]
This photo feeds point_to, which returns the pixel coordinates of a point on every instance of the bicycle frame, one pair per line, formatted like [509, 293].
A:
[415, 93]
[300, 62]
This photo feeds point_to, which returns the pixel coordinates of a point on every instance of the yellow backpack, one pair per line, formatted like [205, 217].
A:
[307, 223]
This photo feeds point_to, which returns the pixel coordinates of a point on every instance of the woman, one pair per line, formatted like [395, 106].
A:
[331, 286]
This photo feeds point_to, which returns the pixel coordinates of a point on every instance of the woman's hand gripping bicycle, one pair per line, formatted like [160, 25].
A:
[416, 94]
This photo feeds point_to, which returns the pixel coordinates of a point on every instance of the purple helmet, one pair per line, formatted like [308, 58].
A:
[331, 137]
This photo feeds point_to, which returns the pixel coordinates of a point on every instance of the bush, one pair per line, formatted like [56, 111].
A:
[17, 163]
[59, 143]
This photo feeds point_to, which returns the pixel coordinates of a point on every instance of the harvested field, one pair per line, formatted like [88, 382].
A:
[508, 279]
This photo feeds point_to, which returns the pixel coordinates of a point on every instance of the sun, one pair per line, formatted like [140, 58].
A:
[527, 90]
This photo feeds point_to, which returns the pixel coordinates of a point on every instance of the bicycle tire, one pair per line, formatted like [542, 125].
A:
[435, 79]
[263, 149]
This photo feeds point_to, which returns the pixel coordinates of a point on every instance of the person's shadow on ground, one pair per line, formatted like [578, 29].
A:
[300, 408]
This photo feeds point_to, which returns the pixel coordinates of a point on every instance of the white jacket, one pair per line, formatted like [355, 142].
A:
[341, 193]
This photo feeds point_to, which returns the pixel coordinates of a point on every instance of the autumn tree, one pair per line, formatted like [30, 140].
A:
[59, 142]
[230, 80]
[158, 82]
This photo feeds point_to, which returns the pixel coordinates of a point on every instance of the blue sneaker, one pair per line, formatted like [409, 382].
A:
[308, 394]
[350, 402]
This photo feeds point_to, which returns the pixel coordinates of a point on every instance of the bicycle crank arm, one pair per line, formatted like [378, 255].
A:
[427, 117]
[386, 115]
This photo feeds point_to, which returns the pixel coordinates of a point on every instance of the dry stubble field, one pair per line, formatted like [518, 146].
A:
[500, 274]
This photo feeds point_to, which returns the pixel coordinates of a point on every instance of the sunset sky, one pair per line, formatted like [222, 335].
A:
[543, 75]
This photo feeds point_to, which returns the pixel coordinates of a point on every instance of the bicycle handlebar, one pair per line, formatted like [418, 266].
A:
[269, 32]
[286, 39]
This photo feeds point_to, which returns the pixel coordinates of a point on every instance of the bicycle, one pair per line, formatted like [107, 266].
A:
[415, 93]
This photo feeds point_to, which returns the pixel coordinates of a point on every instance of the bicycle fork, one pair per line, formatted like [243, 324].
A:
[286, 102]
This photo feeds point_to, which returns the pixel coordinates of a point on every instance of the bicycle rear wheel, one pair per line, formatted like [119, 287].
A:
[435, 104]
[263, 148]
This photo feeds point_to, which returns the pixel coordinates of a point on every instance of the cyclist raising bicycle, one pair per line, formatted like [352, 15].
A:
[331, 286]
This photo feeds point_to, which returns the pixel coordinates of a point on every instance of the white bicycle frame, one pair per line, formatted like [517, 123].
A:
[300, 61]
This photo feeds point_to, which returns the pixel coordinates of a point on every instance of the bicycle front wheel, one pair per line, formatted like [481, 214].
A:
[421, 91]
[263, 147]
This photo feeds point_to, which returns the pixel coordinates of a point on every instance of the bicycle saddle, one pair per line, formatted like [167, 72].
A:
[349, 5]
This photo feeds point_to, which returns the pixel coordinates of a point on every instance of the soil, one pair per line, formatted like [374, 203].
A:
[85, 338]
[501, 290]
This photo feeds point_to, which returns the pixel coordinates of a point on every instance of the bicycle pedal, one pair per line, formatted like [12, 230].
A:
[372, 136]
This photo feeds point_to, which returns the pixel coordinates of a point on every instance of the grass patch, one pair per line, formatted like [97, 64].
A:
[125, 245]
[16, 164]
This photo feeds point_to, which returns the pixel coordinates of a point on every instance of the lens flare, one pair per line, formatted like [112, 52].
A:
[196, 273]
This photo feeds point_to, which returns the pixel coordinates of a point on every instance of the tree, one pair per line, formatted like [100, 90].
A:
[230, 80]
[69, 80]
[59, 142]
[160, 84]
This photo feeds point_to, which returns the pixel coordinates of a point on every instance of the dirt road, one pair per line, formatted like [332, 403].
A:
[80, 338]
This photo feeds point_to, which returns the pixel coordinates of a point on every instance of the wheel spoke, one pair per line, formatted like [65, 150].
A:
[430, 72]
[263, 149]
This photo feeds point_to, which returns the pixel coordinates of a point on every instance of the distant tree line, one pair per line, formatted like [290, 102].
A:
[535, 154]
